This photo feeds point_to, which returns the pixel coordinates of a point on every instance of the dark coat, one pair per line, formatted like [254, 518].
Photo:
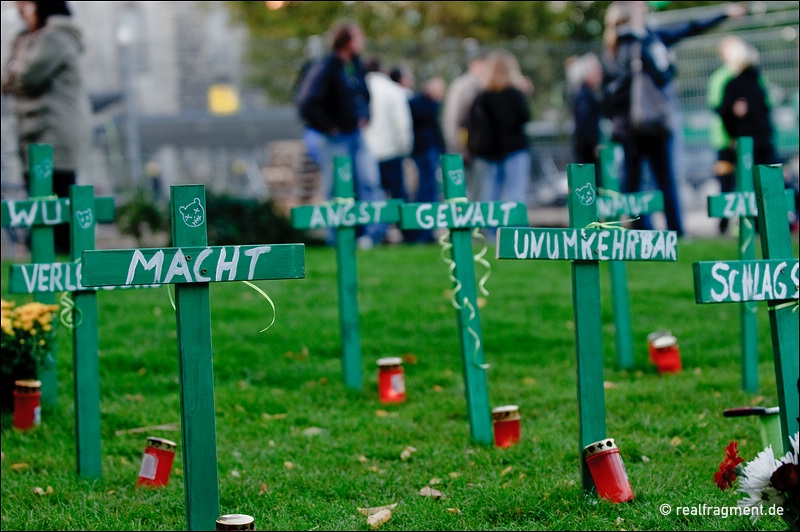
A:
[334, 96]
[586, 114]
[508, 113]
[756, 123]
[425, 117]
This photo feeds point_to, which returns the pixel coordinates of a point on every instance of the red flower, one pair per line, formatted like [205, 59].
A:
[725, 477]
[786, 477]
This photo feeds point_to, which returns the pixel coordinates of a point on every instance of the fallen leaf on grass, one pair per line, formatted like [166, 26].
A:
[645, 459]
[263, 489]
[407, 452]
[288, 465]
[757, 400]
[268, 416]
[385, 413]
[455, 511]
[372, 511]
[239, 408]
[141, 371]
[136, 397]
[506, 471]
[434, 481]
[437, 388]
[428, 491]
[363, 459]
[410, 359]
[674, 442]
[235, 474]
[111, 492]
[271, 443]
[482, 301]
[242, 384]
[454, 474]
[529, 381]
[608, 385]
[20, 466]
[313, 431]
[39, 491]
[379, 518]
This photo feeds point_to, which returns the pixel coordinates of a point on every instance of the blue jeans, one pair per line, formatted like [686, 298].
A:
[366, 177]
[508, 179]
[392, 178]
[428, 187]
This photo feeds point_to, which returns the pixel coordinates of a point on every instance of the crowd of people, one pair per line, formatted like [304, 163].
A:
[482, 115]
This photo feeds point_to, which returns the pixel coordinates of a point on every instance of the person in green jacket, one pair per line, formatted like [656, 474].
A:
[735, 55]
[51, 106]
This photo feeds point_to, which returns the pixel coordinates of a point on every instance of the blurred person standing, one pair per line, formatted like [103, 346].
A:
[428, 145]
[585, 78]
[734, 53]
[505, 106]
[334, 100]
[389, 134]
[456, 105]
[628, 40]
[51, 105]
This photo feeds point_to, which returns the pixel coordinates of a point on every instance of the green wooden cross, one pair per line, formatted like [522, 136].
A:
[191, 266]
[40, 214]
[81, 212]
[773, 279]
[460, 217]
[611, 206]
[343, 214]
[742, 204]
[586, 243]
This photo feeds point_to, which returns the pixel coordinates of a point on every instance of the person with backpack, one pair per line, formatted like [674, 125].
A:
[334, 99]
[496, 130]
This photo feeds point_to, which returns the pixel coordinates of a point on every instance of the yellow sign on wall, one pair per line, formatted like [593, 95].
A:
[223, 99]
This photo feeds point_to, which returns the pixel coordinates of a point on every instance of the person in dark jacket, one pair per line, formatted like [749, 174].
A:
[626, 35]
[334, 100]
[508, 158]
[428, 145]
[585, 75]
[51, 105]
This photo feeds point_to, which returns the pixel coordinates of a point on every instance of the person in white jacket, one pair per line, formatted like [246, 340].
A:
[389, 134]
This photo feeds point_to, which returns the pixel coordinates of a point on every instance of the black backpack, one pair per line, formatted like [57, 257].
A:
[480, 138]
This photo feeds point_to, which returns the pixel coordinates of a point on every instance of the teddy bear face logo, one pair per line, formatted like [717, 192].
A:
[84, 218]
[585, 194]
[193, 214]
[456, 176]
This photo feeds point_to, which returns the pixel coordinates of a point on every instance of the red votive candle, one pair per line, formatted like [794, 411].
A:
[666, 354]
[27, 409]
[391, 380]
[156, 462]
[608, 471]
[506, 421]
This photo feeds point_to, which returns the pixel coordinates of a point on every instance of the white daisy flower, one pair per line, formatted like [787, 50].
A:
[791, 456]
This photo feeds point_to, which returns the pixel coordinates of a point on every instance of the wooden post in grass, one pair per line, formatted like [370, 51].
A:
[460, 217]
[773, 279]
[742, 204]
[191, 266]
[586, 243]
[40, 213]
[81, 212]
[612, 206]
[343, 214]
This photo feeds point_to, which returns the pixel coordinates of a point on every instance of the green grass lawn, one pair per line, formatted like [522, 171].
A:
[272, 386]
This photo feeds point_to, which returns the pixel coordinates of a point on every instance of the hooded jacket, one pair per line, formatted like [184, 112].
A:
[50, 103]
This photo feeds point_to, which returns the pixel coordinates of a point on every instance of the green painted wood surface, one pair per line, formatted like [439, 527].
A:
[345, 214]
[34, 212]
[85, 348]
[192, 264]
[745, 280]
[198, 423]
[747, 251]
[740, 204]
[776, 243]
[476, 387]
[347, 279]
[612, 205]
[53, 277]
[463, 215]
[592, 244]
[588, 323]
[620, 299]
[40, 170]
